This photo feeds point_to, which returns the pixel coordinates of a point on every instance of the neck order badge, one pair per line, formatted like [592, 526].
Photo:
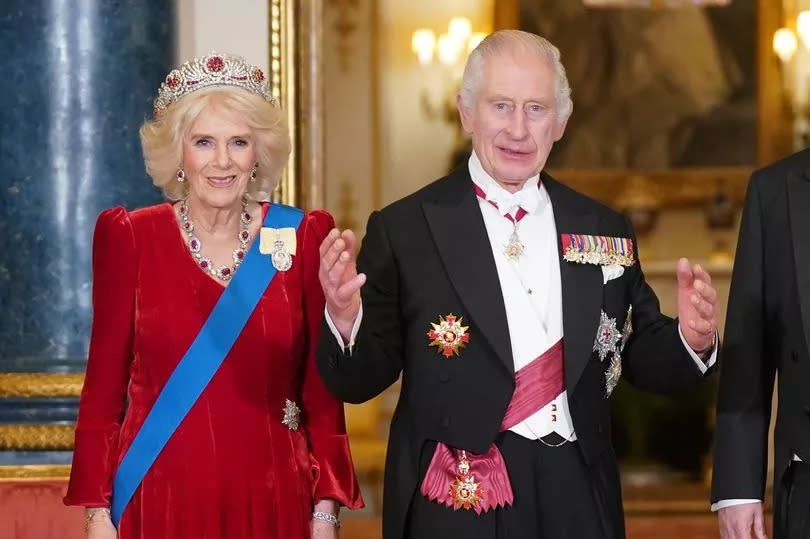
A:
[514, 248]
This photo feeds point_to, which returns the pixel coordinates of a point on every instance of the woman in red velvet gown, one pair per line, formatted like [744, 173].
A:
[232, 469]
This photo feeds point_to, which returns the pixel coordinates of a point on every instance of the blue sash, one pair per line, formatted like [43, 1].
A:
[200, 362]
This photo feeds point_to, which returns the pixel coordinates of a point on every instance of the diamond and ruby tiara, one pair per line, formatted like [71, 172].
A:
[212, 70]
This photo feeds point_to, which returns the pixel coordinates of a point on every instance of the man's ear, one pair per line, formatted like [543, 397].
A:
[559, 128]
[465, 114]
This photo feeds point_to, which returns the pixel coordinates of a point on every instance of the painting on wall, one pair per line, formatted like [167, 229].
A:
[687, 94]
[654, 88]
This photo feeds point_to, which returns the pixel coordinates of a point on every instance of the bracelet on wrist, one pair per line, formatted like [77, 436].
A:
[326, 517]
[95, 513]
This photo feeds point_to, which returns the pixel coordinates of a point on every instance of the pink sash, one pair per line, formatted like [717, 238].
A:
[536, 384]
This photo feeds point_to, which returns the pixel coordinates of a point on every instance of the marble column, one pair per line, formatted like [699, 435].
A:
[79, 77]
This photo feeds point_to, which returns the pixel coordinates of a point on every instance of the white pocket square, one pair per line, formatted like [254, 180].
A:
[611, 272]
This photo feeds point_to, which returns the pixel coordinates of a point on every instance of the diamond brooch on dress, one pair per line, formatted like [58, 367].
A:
[292, 415]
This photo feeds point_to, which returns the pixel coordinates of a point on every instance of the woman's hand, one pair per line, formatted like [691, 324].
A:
[98, 524]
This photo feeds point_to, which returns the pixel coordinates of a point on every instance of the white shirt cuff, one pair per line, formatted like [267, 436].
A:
[722, 504]
[355, 328]
[702, 365]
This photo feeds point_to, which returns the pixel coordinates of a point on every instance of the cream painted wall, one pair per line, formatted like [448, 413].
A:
[415, 150]
[233, 27]
[682, 232]
[349, 112]
[379, 144]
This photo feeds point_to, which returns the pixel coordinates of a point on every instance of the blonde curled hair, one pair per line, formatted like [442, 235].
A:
[162, 138]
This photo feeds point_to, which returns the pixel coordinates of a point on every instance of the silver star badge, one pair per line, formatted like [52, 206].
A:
[613, 374]
[292, 415]
[627, 330]
[607, 336]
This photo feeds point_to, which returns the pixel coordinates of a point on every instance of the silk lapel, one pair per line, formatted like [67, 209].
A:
[581, 283]
[799, 203]
[457, 226]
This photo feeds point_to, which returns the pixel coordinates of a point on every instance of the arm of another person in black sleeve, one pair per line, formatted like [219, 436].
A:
[747, 373]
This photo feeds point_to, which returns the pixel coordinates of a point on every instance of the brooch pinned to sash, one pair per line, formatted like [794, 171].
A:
[598, 250]
[464, 491]
[449, 335]
[280, 244]
[292, 415]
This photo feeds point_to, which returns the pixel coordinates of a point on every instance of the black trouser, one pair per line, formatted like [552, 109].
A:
[554, 499]
[792, 503]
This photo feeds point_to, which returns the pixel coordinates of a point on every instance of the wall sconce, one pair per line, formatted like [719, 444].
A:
[446, 54]
[795, 62]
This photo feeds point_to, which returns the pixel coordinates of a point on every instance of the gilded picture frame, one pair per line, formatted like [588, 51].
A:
[295, 33]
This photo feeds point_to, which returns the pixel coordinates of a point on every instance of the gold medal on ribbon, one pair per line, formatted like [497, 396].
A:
[464, 491]
[514, 248]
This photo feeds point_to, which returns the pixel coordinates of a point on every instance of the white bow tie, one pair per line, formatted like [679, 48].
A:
[527, 198]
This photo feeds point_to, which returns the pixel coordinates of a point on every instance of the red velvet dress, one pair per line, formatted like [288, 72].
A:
[231, 469]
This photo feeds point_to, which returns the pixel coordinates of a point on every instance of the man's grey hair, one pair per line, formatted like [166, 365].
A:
[503, 41]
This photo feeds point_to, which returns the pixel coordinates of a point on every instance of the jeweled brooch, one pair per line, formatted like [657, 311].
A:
[627, 330]
[614, 370]
[281, 258]
[449, 335]
[613, 374]
[292, 415]
[280, 244]
[514, 249]
[607, 336]
[464, 491]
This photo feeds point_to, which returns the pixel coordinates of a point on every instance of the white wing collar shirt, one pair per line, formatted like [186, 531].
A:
[531, 286]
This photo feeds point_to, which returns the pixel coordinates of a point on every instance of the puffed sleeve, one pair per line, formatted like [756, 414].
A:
[323, 413]
[103, 398]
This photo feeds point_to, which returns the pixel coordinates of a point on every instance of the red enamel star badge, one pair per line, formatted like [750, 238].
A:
[449, 335]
